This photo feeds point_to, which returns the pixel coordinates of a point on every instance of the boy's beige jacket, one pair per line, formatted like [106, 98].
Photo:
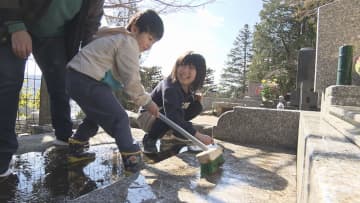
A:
[118, 52]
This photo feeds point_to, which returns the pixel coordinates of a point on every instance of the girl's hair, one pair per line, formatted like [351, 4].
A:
[147, 21]
[197, 60]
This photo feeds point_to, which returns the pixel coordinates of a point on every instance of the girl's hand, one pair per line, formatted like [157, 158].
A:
[206, 139]
[153, 109]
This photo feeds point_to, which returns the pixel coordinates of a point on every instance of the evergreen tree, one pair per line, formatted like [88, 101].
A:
[209, 83]
[150, 77]
[285, 27]
[233, 79]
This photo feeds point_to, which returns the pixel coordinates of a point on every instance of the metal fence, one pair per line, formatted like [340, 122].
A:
[28, 113]
[29, 105]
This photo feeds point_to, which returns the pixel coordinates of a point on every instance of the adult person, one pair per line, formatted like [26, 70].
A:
[53, 30]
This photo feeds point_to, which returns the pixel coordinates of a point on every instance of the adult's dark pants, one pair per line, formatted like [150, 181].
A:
[50, 55]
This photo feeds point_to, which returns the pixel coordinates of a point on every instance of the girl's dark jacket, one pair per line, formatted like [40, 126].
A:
[78, 32]
[177, 105]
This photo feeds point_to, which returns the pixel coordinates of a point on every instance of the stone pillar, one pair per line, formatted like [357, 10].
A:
[338, 24]
[44, 112]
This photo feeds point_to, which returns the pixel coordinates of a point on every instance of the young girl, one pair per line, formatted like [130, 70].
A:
[109, 63]
[176, 97]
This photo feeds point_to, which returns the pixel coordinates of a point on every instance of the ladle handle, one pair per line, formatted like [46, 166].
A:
[182, 132]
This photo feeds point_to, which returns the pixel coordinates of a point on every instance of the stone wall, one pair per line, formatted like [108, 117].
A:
[259, 126]
[207, 101]
[338, 24]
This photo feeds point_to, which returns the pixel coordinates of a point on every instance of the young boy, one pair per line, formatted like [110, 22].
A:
[111, 62]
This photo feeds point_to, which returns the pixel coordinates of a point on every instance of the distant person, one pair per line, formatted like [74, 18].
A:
[53, 31]
[109, 63]
[175, 95]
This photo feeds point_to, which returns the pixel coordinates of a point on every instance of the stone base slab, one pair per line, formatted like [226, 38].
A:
[328, 163]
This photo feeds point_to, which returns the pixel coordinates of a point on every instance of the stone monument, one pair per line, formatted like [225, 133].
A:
[338, 24]
[304, 96]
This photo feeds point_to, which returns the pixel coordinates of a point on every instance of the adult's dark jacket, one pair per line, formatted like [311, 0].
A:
[9, 9]
[79, 31]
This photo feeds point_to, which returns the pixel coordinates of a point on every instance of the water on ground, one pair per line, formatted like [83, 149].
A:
[250, 174]
[47, 176]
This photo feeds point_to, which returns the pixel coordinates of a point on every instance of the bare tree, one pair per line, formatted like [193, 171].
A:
[118, 12]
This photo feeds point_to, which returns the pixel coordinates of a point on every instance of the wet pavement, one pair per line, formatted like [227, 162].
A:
[250, 174]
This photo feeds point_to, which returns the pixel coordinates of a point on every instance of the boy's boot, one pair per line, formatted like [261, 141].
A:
[149, 144]
[78, 151]
[133, 162]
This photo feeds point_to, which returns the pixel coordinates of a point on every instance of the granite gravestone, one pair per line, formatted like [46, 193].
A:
[304, 96]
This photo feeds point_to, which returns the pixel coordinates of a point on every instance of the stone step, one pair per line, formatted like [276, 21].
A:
[345, 122]
[343, 90]
[344, 95]
[328, 163]
[350, 114]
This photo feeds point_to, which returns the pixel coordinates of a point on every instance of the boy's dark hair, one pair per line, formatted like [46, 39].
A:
[197, 60]
[147, 21]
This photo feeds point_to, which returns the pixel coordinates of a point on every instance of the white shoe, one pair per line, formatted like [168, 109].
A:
[194, 148]
[60, 143]
[10, 169]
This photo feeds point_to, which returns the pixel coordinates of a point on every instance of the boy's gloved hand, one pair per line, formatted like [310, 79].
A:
[153, 109]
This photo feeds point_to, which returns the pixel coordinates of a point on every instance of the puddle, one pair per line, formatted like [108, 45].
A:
[248, 175]
[47, 177]
[139, 191]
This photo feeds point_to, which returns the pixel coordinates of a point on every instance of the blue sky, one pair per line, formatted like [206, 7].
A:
[209, 31]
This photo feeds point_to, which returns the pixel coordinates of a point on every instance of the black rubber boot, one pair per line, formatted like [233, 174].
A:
[133, 162]
[149, 144]
[78, 151]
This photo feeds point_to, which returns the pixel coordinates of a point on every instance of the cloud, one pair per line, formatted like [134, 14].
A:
[209, 19]
[196, 31]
